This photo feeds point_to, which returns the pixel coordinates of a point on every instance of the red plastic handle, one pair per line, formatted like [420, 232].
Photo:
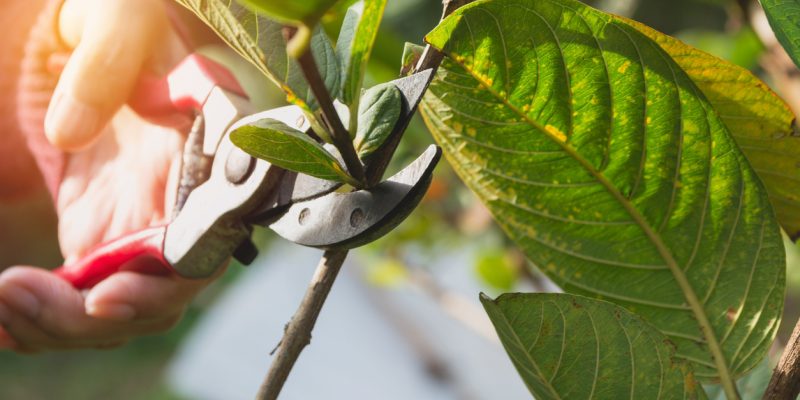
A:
[174, 99]
[141, 251]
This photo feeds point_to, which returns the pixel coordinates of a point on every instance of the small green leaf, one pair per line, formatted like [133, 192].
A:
[377, 115]
[572, 347]
[411, 54]
[260, 41]
[783, 17]
[355, 43]
[288, 148]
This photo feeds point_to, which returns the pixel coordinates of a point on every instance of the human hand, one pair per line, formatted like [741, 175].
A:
[115, 181]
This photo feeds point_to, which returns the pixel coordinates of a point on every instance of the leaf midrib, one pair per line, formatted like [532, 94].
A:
[689, 294]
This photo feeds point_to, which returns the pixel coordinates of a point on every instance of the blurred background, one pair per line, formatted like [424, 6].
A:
[404, 319]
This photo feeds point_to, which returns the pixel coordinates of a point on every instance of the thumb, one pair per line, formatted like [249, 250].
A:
[113, 40]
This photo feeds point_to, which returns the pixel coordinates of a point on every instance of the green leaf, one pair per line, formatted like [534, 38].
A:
[783, 17]
[291, 10]
[761, 122]
[604, 162]
[573, 347]
[378, 113]
[355, 43]
[260, 41]
[411, 55]
[288, 148]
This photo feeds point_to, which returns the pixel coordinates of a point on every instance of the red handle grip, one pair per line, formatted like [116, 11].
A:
[174, 99]
[142, 251]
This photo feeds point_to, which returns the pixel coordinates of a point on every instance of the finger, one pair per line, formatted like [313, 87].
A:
[45, 312]
[38, 298]
[113, 39]
[134, 296]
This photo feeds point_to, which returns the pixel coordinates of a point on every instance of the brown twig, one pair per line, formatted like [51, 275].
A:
[341, 139]
[297, 334]
[785, 381]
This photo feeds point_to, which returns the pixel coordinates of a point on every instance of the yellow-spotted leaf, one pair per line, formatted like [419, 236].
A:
[762, 124]
[572, 347]
[261, 41]
[603, 160]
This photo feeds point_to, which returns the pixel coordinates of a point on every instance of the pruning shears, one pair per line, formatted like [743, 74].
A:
[225, 192]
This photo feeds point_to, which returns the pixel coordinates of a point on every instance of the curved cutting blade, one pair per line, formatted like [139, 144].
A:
[348, 220]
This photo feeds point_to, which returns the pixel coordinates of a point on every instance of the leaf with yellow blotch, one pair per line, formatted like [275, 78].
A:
[761, 122]
[605, 162]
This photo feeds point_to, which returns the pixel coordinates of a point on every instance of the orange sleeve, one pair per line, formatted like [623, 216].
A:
[19, 175]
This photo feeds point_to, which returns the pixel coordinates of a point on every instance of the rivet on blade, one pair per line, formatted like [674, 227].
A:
[239, 166]
[357, 218]
[303, 217]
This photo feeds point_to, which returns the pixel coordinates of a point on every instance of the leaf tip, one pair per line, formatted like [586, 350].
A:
[484, 298]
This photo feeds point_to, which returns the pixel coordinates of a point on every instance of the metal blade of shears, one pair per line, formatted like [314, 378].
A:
[347, 220]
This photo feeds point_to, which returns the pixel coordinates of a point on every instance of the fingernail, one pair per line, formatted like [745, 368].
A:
[116, 312]
[70, 123]
[22, 301]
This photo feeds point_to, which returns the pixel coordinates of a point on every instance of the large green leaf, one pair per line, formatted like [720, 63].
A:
[292, 11]
[784, 18]
[261, 41]
[761, 122]
[603, 160]
[359, 30]
[573, 347]
[288, 148]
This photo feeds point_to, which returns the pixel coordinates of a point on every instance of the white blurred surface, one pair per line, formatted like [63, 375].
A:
[369, 343]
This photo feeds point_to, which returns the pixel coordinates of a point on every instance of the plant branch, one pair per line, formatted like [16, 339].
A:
[431, 59]
[298, 332]
[785, 381]
[339, 134]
